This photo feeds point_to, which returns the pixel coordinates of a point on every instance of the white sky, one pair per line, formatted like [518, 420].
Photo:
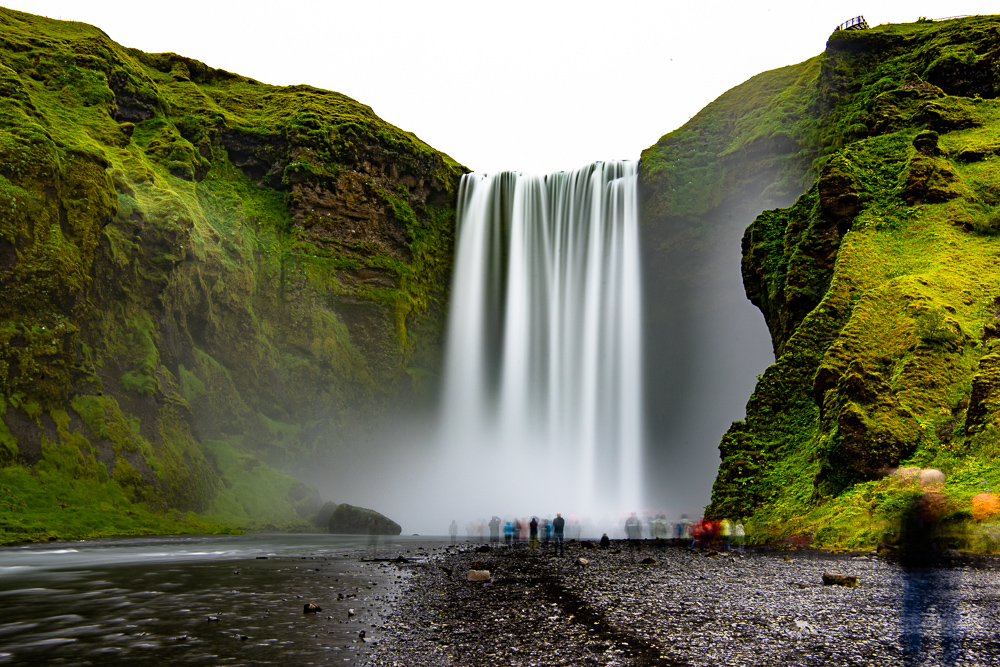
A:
[507, 84]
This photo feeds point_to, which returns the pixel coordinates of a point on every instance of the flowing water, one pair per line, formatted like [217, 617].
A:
[202, 600]
[543, 374]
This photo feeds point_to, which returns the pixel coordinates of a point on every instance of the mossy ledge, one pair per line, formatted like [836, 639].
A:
[203, 278]
[880, 289]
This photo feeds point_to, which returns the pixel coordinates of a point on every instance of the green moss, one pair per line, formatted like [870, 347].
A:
[884, 329]
[157, 274]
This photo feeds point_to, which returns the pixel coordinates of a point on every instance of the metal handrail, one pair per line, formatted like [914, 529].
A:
[857, 23]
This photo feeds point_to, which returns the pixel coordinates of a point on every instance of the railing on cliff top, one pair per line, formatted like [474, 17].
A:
[857, 23]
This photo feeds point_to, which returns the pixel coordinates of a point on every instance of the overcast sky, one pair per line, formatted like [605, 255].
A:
[533, 86]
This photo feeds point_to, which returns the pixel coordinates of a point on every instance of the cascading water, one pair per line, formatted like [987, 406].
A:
[543, 368]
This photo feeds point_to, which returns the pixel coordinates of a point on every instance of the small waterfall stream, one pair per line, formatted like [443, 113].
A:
[543, 371]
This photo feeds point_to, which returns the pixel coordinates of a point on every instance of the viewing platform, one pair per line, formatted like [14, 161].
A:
[857, 23]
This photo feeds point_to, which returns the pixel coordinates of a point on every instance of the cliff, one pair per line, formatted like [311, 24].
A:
[880, 291]
[207, 283]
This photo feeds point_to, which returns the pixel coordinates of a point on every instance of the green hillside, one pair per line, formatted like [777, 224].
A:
[205, 281]
[882, 295]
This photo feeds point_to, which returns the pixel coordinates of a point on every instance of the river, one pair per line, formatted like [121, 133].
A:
[206, 600]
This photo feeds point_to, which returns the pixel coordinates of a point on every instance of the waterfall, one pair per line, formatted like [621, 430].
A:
[543, 377]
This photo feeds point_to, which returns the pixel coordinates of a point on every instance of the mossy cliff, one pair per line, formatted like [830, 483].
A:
[203, 278]
[880, 289]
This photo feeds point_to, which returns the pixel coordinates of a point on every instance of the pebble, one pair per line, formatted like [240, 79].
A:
[757, 608]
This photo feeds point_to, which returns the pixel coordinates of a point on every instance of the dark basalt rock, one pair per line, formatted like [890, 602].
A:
[834, 579]
[350, 520]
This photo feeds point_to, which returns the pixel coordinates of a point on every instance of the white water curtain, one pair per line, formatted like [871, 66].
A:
[543, 374]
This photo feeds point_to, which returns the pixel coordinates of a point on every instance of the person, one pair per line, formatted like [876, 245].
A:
[695, 535]
[508, 533]
[927, 578]
[605, 541]
[533, 534]
[495, 529]
[633, 528]
[726, 531]
[453, 531]
[739, 533]
[558, 526]
[373, 535]
[546, 530]
[517, 531]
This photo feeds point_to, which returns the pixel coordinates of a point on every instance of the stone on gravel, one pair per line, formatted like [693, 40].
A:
[834, 579]
[478, 575]
[583, 562]
[310, 608]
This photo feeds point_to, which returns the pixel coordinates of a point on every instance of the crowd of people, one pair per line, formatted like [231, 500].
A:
[534, 532]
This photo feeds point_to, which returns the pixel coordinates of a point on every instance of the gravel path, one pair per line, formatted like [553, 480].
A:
[687, 608]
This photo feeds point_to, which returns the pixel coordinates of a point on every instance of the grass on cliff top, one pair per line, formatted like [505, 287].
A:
[685, 169]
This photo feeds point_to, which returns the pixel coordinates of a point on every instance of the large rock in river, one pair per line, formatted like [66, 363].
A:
[350, 520]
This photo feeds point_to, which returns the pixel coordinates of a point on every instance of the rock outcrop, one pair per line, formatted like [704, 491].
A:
[350, 520]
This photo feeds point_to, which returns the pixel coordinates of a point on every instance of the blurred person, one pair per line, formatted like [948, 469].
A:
[453, 531]
[633, 529]
[739, 534]
[533, 534]
[927, 578]
[558, 526]
[495, 529]
[660, 530]
[508, 533]
[546, 531]
[605, 541]
[517, 532]
[575, 528]
[726, 531]
[696, 530]
[373, 535]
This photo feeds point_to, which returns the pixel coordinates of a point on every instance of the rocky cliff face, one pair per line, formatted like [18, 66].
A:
[880, 289]
[202, 279]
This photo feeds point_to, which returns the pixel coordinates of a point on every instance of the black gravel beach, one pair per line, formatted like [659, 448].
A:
[652, 604]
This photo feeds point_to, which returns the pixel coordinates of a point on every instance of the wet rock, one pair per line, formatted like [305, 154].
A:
[834, 579]
[350, 520]
[649, 560]
[310, 608]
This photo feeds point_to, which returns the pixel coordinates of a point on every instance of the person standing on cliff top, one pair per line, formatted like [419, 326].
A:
[533, 534]
[453, 531]
[558, 526]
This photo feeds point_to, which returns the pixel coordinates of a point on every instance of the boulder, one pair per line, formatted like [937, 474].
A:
[310, 608]
[478, 575]
[834, 579]
[349, 520]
